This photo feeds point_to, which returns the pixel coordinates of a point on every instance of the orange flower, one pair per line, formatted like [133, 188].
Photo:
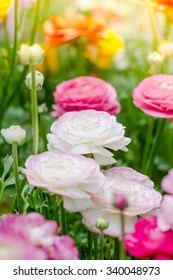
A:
[165, 6]
[67, 27]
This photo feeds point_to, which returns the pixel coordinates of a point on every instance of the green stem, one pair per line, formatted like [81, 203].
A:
[14, 50]
[89, 236]
[63, 219]
[154, 148]
[116, 249]
[147, 142]
[95, 246]
[7, 45]
[16, 175]
[153, 24]
[122, 242]
[6, 98]
[36, 20]
[34, 106]
[2, 187]
[167, 28]
[15, 37]
[101, 241]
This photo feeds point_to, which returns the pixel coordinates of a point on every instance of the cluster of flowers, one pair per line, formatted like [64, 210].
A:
[31, 237]
[65, 171]
[153, 235]
[101, 42]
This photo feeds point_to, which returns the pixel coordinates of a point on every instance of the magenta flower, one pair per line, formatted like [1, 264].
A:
[84, 93]
[167, 182]
[31, 237]
[154, 96]
[147, 241]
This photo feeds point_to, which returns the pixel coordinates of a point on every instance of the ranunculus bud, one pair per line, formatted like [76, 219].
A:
[39, 80]
[101, 224]
[31, 54]
[155, 58]
[14, 134]
[42, 109]
[120, 201]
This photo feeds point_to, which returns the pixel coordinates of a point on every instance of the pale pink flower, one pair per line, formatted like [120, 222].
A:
[61, 248]
[154, 96]
[84, 93]
[147, 241]
[141, 200]
[165, 217]
[72, 176]
[167, 182]
[34, 227]
[88, 132]
[15, 248]
[123, 172]
[30, 236]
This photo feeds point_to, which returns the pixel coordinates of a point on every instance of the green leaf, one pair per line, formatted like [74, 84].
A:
[8, 162]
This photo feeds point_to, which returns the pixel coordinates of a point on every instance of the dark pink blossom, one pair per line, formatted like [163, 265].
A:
[84, 93]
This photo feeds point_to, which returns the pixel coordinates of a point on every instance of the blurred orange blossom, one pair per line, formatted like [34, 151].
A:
[165, 6]
[69, 26]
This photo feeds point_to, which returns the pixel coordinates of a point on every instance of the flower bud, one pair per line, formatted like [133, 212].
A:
[39, 80]
[14, 134]
[101, 224]
[42, 109]
[31, 54]
[155, 58]
[120, 201]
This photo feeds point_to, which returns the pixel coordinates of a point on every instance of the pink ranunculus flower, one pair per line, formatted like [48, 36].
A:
[165, 217]
[30, 236]
[147, 241]
[72, 176]
[14, 247]
[127, 173]
[141, 200]
[167, 182]
[61, 248]
[34, 227]
[88, 132]
[84, 93]
[154, 96]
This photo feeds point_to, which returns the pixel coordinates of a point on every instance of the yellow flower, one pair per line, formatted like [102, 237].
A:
[166, 48]
[101, 51]
[4, 5]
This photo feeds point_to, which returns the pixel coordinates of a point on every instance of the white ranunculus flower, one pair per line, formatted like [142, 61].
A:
[72, 176]
[141, 197]
[88, 132]
[14, 134]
